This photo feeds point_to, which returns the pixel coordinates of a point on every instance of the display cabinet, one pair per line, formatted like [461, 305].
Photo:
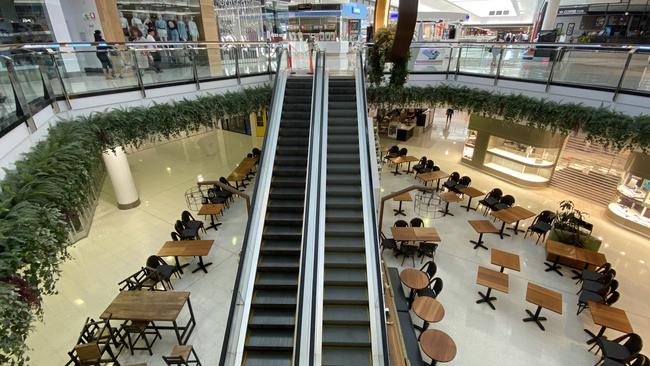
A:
[631, 204]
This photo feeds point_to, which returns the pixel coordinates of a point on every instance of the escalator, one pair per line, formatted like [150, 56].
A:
[271, 322]
[346, 331]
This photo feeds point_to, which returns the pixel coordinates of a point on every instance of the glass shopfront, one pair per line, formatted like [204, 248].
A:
[24, 21]
[240, 20]
[173, 20]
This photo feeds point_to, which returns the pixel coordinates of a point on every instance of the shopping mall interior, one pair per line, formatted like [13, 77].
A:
[242, 182]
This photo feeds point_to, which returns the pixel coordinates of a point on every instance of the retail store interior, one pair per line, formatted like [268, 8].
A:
[242, 182]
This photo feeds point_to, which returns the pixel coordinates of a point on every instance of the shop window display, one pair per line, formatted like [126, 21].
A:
[632, 202]
[470, 144]
[240, 20]
[173, 21]
[24, 22]
[523, 161]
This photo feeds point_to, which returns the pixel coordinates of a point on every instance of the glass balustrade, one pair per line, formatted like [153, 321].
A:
[7, 99]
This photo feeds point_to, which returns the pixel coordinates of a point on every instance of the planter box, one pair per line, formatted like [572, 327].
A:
[589, 242]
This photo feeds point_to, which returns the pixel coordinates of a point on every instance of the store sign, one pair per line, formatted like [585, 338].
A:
[573, 11]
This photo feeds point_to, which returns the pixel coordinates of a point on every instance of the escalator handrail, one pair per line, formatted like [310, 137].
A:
[304, 305]
[373, 257]
[254, 226]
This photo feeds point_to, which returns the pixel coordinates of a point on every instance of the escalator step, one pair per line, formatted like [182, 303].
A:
[345, 158]
[342, 91]
[285, 206]
[345, 294]
[346, 336]
[277, 280]
[275, 318]
[286, 193]
[343, 190]
[280, 246]
[269, 339]
[293, 141]
[350, 356]
[346, 314]
[352, 178]
[275, 298]
[342, 121]
[337, 229]
[268, 358]
[345, 149]
[343, 215]
[289, 171]
[345, 244]
[346, 105]
[343, 168]
[346, 276]
[284, 218]
[343, 202]
[279, 263]
[342, 130]
[344, 259]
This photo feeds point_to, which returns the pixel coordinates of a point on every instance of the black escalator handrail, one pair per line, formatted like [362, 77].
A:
[265, 158]
[303, 325]
[366, 155]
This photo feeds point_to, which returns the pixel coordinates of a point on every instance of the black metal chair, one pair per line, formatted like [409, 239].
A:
[408, 250]
[638, 360]
[137, 331]
[623, 348]
[215, 195]
[505, 202]
[140, 280]
[387, 243]
[175, 236]
[589, 275]
[541, 225]
[430, 268]
[184, 232]
[433, 290]
[490, 199]
[428, 249]
[403, 151]
[189, 222]
[587, 296]
[102, 333]
[393, 152]
[597, 285]
[417, 222]
[451, 181]
[463, 182]
[165, 270]
[401, 223]
[421, 165]
[428, 167]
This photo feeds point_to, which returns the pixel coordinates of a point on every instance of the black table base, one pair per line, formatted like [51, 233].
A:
[503, 227]
[201, 266]
[180, 266]
[593, 336]
[396, 172]
[479, 243]
[487, 298]
[469, 205]
[555, 267]
[399, 211]
[515, 228]
[535, 317]
[213, 224]
[446, 212]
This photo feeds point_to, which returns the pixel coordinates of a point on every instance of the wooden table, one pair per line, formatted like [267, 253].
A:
[429, 310]
[241, 172]
[522, 214]
[607, 317]
[438, 346]
[471, 192]
[448, 197]
[415, 234]
[187, 248]
[153, 306]
[402, 159]
[213, 210]
[414, 279]
[492, 280]
[482, 227]
[507, 217]
[560, 250]
[431, 176]
[505, 260]
[401, 198]
[543, 298]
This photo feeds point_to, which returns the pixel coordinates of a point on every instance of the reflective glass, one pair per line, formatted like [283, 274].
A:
[29, 76]
[7, 99]
[637, 76]
[589, 67]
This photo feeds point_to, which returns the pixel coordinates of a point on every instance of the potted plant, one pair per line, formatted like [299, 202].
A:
[568, 227]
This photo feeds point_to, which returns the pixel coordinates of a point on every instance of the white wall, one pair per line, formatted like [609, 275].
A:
[78, 19]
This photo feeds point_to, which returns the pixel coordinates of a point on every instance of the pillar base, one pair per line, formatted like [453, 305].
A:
[128, 206]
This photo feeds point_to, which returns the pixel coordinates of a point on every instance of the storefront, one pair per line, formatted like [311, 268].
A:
[173, 21]
[240, 20]
[631, 205]
[24, 21]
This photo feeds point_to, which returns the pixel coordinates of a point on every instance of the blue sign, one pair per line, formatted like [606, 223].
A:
[354, 10]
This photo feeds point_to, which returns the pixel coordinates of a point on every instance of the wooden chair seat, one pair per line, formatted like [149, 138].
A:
[181, 351]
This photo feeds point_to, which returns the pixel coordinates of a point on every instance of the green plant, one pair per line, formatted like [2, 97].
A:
[378, 54]
[568, 219]
[600, 125]
[53, 182]
[399, 72]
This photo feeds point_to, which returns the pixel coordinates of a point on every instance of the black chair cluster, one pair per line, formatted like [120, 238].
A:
[495, 200]
[217, 195]
[188, 228]
[425, 166]
[455, 182]
[405, 249]
[598, 286]
[394, 152]
[541, 225]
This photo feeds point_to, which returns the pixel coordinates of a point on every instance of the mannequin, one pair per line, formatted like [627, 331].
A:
[149, 24]
[182, 29]
[137, 22]
[193, 29]
[161, 28]
[125, 25]
[172, 29]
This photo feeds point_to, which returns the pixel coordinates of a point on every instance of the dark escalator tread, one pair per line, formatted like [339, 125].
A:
[293, 141]
[343, 167]
[347, 105]
[346, 356]
[345, 295]
[295, 182]
[275, 298]
[343, 149]
[345, 244]
[346, 314]
[344, 259]
[277, 280]
[346, 276]
[272, 318]
[343, 215]
[346, 336]
[343, 202]
[271, 339]
[284, 218]
[273, 358]
[344, 229]
[279, 262]
[286, 193]
[344, 158]
[342, 130]
[281, 232]
[352, 178]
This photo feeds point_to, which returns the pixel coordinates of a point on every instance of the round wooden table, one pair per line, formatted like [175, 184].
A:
[438, 346]
[415, 280]
[428, 309]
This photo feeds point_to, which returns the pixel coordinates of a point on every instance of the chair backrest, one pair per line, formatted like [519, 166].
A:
[393, 149]
[417, 222]
[423, 160]
[604, 268]
[613, 286]
[224, 181]
[133, 282]
[612, 298]
[175, 236]
[606, 278]
[612, 271]
[546, 216]
[256, 152]
[455, 176]
[431, 268]
[186, 217]
[465, 180]
[403, 151]
[178, 227]
[408, 249]
[91, 329]
[88, 353]
[427, 291]
[249, 155]
[435, 168]
[437, 285]
[401, 223]
[640, 360]
[634, 343]
[154, 261]
[496, 193]
[508, 200]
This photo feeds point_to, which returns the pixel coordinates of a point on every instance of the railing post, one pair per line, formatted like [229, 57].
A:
[60, 76]
[237, 50]
[558, 54]
[192, 52]
[268, 57]
[22, 107]
[451, 54]
[47, 85]
[460, 51]
[498, 73]
[138, 74]
[620, 80]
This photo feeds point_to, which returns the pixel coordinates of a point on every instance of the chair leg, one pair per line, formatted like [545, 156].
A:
[413, 259]
[403, 258]
[198, 362]
[146, 341]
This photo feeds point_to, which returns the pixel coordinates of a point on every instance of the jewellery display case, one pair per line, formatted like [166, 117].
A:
[631, 204]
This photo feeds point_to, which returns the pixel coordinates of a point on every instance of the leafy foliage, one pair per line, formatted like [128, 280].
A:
[379, 54]
[601, 125]
[53, 182]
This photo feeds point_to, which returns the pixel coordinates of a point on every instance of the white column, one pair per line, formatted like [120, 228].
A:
[550, 15]
[61, 32]
[119, 171]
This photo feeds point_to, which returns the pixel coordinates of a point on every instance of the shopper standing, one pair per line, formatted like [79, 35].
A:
[154, 56]
[102, 55]
[450, 113]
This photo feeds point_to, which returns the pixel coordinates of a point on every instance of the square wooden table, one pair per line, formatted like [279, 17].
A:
[482, 227]
[187, 248]
[492, 280]
[431, 176]
[543, 298]
[213, 210]
[522, 214]
[471, 192]
[406, 196]
[559, 250]
[241, 173]
[607, 317]
[507, 217]
[153, 306]
[415, 234]
[402, 159]
[448, 197]
[505, 260]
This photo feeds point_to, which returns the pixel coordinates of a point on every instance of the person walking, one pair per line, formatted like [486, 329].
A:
[154, 56]
[450, 113]
[102, 54]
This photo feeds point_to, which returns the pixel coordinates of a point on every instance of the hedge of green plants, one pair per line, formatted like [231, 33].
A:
[601, 125]
[54, 180]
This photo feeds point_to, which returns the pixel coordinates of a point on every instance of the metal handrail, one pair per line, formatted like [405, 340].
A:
[235, 332]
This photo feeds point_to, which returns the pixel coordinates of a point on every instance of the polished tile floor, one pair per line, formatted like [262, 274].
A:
[120, 241]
